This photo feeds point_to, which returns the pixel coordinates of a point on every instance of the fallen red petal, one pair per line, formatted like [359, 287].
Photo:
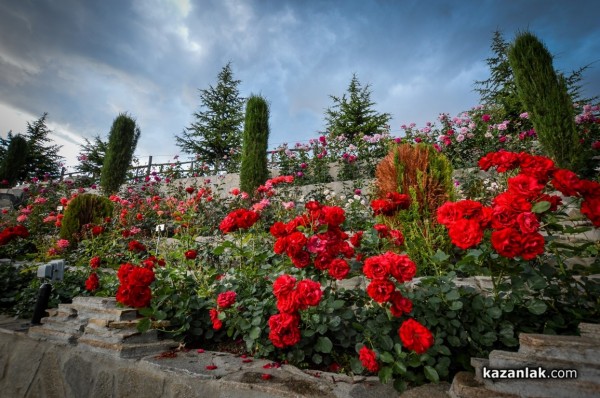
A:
[211, 367]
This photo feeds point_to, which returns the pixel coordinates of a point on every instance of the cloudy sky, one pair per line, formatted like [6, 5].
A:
[85, 61]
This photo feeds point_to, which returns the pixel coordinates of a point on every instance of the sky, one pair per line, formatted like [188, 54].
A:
[85, 61]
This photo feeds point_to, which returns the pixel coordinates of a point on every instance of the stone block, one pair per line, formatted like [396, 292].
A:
[125, 350]
[57, 335]
[464, 385]
[478, 364]
[590, 330]
[582, 350]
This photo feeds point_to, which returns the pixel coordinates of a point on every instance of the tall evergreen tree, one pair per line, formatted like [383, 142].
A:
[91, 157]
[11, 166]
[545, 96]
[122, 141]
[215, 135]
[41, 158]
[354, 116]
[254, 171]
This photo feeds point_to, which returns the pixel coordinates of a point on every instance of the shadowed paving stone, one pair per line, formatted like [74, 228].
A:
[575, 349]
[590, 330]
[464, 385]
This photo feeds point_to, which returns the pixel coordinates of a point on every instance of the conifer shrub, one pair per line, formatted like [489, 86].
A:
[84, 209]
[122, 140]
[254, 171]
[545, 96]
[14, 160]
[426, 176]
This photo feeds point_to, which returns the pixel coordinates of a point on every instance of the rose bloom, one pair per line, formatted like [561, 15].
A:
[191, 254]
[283, 285]
[62, 243]
[214, 318]
[528, 222]
[380, 290]
[368, 359]
[415, 336]
[566, 182]
[226, 299]
[399, 304]
[140, 277]
[533, 246]
[338, 268]
[285, 330]
[376, 267]
[92, 283]
[97, 230]
[507, 242]
[308, 293]
[402, 268]
[465, 233]
[448, 214]
[590, 207]
[95, 262]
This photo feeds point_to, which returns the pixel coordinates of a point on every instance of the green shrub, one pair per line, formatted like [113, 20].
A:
[84, 209]
[545, 96]
[122, 140]
[254, 171]
[14, 161]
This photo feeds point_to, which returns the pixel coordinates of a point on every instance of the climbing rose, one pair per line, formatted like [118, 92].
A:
[285, 329]
[92, 283]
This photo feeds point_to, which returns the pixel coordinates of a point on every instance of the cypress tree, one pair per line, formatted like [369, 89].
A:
[254, 170]
[14, 160]
[545, 96]
[122, 140]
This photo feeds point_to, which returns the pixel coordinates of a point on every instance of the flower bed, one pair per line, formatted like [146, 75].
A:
[270, 279]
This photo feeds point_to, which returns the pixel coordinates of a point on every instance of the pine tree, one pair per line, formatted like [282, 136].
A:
[91, 157]
[122, 141]
[354, 116]
[545, 96]
[215, 135]
[254, 171]
[11, 167]
[42, 159]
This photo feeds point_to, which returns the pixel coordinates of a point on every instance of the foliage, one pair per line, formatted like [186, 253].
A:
[13, 279]
[122, 141]
[91, 158]
[15, 158]
[544, 94]
[425, 175]
[354, 117]
[215, 136]
[254, 171]
[83, 211]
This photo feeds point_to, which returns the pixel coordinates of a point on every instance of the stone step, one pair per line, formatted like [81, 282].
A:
[583, 350]
[122, 336]
[63, 309]
[110, 314]
[126, 350]
[94, 302]
[590, 330]
[69, 325]
[586, 385]
[478, 364]
[45, 333]
[464, 385]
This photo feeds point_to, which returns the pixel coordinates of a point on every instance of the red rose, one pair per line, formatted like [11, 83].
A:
[382, 207]
[97, 230]
[376, 267]
[295, 243]
[278, 229]
[380, 290]
[507, 242]
[140, 277]
[283, 285]
[308, 293]
[191, 254]
[566, 182]
[448, 214]
[124, 271]
[92, 283]
[332, 215]
[285, 330]
[138, 296]
[287, 303]
[95, 262]
[402, 268]
[465, 233]
[356, 239]
[528, 222]
[525, 186]
[136, 246]
[338, 268]
[539, 167]
[415, 336]
[190, 190]
[590, 207]
[214, 318]
[399, 304]
[401, 201]
[226, 299]
[533, 246]
[368, 359]
[301, 259]
[396, 237]
[382, 230]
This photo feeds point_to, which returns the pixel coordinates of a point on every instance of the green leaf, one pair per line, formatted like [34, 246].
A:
[452, 295]
[537, 307]
[356, 366]
[386, 357]
[143, 325]
[317, 358]
[399, 368]
[494, 312]
[386, 342]
[456, 305]
[431, 374]
[147, 312]
[160, 315]
[254, 333]
[337, 304]
[442, 349]
[440, 256]
[385, 374]
[323, 345]
[540, 207]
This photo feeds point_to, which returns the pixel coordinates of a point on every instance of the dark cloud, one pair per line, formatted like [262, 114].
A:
[86, 61]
